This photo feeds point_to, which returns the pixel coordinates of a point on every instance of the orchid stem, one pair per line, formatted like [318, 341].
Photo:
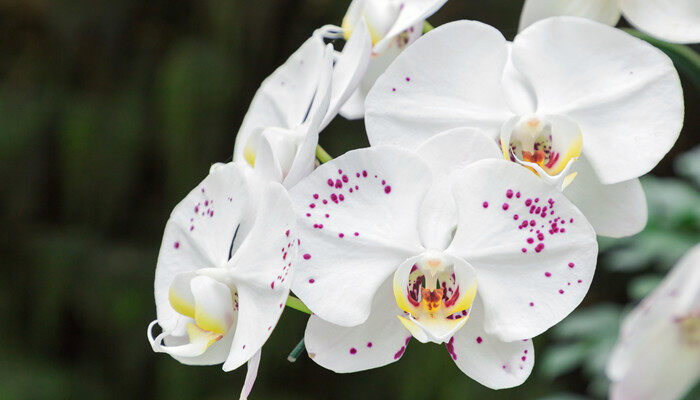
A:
[684, 57]
[293, 302]
[322, 155]
[427, 27]
[292, 357]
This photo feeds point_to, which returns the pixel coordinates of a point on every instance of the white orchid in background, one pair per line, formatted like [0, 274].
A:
[279, 133]
[219, 293]
[675, 21]
[658, 352]
[440, 245]
[569, 98]
[393, 25]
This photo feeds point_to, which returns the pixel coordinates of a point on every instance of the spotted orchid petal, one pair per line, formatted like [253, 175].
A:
[486, 358]
[260, 270]
[658, 352]
[615, 210]
[623, 93]
[675, 21]
[358, 215]
[411, 13]
[603, 11]
[446, 153]
[250, 375]
[533, 252]
[378, 341]
[449, 78]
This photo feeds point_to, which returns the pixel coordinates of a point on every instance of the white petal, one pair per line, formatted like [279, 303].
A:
[250, 376]
[604, 11]
[359, 217]
[199, 233]
[412, 12]
[445, 153]
[671, 20]
[213, 309]
[528, 281]
[449, 78]
[517, 90]
[284, 97]
[354, 107]
[623, 93]
[486, 358]
[349, 69]
[260, 270]
[615, 210]
[660, 367]
[378, 341]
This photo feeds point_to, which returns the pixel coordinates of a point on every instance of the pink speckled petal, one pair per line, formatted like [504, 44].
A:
[449, 78]
[534, 252]
[261, 272]
[486, 358]
[359, 221]
[379, 341]
[199, 232]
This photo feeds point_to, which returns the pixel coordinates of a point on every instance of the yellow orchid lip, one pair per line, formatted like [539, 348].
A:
[435, 294]
[546, 145]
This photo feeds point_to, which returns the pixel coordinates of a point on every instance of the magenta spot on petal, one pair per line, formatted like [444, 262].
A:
[530, 240]
[311, 280]
[515, 217]
[479, 339]
[345, 178]
[399, 353]
[579, 281]
[523, 358]
[528, 202]
[561, 291]
[539, 247]
[341, 235]
[408, 79]
[509, 194]
[571, 265]
[524, 250]
[308, 215]
[505, 206]
[177, 245]
[272, 285]
[369, 344]
[364, 174]
[387, 189]
[357, 233]
[307, 256]
[532, 304]
[547, 274]
[393, 89]
[312, 205]
[486, 204]
[353, 350]
[330, 182]
[340, 171]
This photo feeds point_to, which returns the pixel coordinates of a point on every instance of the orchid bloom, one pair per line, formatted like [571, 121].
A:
[658, 353]
[675, 21]
[443, 245]
[279, 134]
[391, 25]
[219, 293]
[585, 107]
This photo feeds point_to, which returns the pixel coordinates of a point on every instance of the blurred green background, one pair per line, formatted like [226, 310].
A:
[110, 111]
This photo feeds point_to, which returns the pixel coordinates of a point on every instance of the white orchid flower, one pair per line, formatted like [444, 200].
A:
[279, 134]
[219, 293]
[387, 27]
[658, 353]
[568, 98]
[675, 21]
[480, 257]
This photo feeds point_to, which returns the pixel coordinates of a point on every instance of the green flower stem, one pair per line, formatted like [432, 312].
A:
[427, 27]
[296, 352]
[293, 302]
[322, 155]
[685, 58]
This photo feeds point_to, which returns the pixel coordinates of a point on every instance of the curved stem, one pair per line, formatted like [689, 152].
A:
[293, 302]
[296, 352]
[322, 155]
[685, 58]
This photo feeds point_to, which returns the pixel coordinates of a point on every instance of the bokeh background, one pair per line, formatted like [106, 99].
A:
[110, 111]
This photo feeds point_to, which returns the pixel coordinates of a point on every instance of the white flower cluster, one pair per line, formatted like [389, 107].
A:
[471, 220]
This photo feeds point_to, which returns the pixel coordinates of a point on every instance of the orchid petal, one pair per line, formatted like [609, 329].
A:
[359, 215]
[623, 93]
[449, 78]
[604, 11]
[412, 12]
[615, 210]
[486, 358]
[213, 309]
[675, 21]
[379, 341]
[445, 153]
[250, 376]
[199, 233]
[260, 271]
[533, 269]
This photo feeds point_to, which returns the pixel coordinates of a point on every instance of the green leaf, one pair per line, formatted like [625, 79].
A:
[596, 322]
[641, 286]
[562, 359]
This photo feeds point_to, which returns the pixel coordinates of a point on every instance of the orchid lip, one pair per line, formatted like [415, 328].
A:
[548, 145]
[435, 291]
